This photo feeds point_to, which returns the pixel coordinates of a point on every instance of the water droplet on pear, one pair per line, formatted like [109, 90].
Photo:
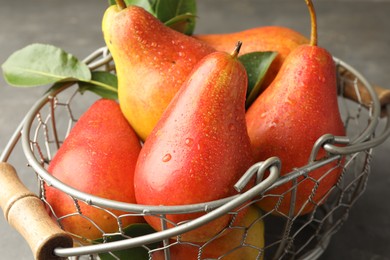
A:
[189, 141]
[167, 157]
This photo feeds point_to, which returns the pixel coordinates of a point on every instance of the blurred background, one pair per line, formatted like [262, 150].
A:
[356, 31]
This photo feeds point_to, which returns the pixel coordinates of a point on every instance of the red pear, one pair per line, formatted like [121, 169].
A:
[290, 115]
[98, 157]
[200, 147]
[266, 38]
[250, 229]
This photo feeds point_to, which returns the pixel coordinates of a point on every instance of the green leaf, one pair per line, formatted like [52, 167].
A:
[146, 4]
[41, 64]
[59, 85]
[103, 83]
[179, 15]
[184, 23]
[256, 65]
[166, 10]
[137, 253]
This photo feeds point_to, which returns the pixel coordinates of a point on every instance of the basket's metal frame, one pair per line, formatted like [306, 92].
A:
[214, 209]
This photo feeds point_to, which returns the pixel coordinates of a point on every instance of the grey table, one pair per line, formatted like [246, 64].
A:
[355, 31]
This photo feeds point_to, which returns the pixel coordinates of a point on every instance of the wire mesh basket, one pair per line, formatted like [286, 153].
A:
[281, 236]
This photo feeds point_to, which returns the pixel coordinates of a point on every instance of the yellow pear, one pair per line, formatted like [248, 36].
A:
[230, 246]
[152, 61]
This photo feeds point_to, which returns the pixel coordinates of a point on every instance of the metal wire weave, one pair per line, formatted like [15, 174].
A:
[286, 236]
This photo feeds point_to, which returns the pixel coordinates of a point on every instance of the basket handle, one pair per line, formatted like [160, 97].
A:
[26, 213]
[364, 96]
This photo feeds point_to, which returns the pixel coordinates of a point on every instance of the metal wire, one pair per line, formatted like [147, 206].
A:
[292, 237]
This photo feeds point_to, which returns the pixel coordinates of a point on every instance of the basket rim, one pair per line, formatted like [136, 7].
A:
[359, 144]
[213, 209]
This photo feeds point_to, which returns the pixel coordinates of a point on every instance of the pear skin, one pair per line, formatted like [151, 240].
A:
[200, 147]
[267, 38]
[250, 228]
[152, 61]
[98, 157]
[290, 115]
[286, 120]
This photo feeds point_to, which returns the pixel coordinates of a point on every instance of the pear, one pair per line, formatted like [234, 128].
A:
[250, 228]
[200, 147]
[98, 157]
[152, 61]
[265, 38]
[285, 121]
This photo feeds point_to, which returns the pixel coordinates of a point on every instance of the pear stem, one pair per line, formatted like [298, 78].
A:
[121, 4]
[236, 50]
[313, 35]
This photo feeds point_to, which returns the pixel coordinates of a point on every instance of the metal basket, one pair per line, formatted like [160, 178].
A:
[286, 236]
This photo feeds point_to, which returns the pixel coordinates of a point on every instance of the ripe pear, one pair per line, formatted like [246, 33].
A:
[200, 147]
[152, 61]
[249, 230]
[266, 38]
[98, 157]
[291, 114]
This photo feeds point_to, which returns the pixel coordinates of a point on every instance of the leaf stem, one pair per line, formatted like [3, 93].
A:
[100, 84]
[313, 16]
[236, 50]
[121, 4]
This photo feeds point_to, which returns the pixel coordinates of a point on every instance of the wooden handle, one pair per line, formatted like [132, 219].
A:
[26, 213]
[364, 97]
